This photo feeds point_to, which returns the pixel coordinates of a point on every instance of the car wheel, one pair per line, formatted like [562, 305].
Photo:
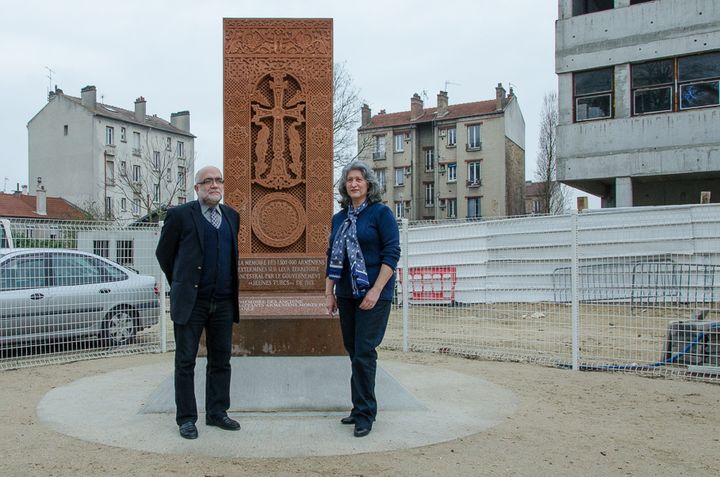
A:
[119, 328]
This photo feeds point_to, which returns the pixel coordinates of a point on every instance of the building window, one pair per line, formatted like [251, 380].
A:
[676, 84]
[123, 169]
[473, 207]
[110, 172]
[123, 204]
[429, 194]
[156, 192]
[123, 134]
[136, 143]
[109, 135]
[168, 145]
[181, 178]
[473, 137]
[399, 140]
[451, 137]
[65, 130]
[635, 2]
[452, 172]
[380, 174]
[136, 206]
[429, 160]
[652, 86]
[593, 94]
[699, 80]
[451, 208]
[108, 207]
[581, 7]
[473, 174]
[124, 249]
[156, 161]
[378, 148]
[181, 200]
[168, 175]
[399, 176]
[137, 173]
[101, 248]
[399, 209]
[180, 149]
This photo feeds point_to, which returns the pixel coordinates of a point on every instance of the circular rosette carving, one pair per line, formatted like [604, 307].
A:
[278, 219]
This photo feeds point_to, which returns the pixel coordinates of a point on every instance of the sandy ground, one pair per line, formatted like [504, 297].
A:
[567, 423]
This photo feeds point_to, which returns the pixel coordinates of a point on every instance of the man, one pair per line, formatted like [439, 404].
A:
[198, 253]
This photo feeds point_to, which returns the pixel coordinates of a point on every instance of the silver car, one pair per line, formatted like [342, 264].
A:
[59, 294]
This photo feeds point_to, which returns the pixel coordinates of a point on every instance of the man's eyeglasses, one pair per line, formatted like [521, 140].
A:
[210, 180]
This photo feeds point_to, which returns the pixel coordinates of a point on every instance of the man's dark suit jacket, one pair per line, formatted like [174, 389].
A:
[180, 254]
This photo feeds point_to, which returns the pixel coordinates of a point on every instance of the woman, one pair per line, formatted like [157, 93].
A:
[362, 256]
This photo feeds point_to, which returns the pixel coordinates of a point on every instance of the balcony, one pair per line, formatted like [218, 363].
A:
[378, 156]
[473, 147]
[474, 183]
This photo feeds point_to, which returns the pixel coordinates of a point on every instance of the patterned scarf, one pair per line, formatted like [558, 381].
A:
[346, 242]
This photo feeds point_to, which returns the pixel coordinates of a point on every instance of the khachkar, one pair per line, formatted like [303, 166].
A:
[278, 175]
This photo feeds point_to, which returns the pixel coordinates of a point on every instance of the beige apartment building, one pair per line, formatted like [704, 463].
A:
[451, 161]
[114, 163]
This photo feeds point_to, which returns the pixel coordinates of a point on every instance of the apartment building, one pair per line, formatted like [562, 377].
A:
[451, 161]
[639, 100]
[113, 163]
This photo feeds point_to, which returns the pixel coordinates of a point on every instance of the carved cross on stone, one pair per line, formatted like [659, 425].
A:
[278, 176]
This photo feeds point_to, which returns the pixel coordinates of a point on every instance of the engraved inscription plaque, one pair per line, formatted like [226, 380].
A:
[278, 176]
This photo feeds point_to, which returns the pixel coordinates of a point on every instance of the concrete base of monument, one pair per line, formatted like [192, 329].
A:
[287, 406]
[288, 384]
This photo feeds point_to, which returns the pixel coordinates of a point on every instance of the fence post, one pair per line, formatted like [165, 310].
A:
[574, 280]
[163, 306]
[405, 283]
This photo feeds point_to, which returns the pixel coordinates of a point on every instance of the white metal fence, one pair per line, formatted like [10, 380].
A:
[76, 290]
[617, 289]
[632, 289]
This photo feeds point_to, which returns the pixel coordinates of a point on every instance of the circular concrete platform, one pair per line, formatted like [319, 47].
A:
[110, 409]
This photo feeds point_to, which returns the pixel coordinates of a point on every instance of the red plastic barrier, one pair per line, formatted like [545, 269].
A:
[431, 284]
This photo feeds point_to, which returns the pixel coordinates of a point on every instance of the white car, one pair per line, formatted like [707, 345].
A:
[59, 294]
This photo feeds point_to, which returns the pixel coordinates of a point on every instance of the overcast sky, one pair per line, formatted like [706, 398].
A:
[170, 52]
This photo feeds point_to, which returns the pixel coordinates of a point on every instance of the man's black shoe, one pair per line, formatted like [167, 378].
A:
[361, 431]
[348, 420]
[223, 422]
[188, 430]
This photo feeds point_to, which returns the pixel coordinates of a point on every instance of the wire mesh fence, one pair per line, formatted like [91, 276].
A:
[77, 290]
[633, 290]
[646, 294]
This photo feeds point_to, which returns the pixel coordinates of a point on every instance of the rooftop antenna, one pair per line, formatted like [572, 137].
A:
[424, 94]
[49, 77]
[5, 185]
[448, 82]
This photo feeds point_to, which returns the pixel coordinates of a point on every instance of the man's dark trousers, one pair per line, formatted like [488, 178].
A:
[216, 317]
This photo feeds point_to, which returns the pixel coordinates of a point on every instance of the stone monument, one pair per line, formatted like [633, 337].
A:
[278, 152]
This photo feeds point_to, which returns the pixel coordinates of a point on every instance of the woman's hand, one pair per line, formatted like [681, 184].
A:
[371, 298]
[330, 304]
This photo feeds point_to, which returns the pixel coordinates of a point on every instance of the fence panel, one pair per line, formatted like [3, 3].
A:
[648, 289]
[77, 290]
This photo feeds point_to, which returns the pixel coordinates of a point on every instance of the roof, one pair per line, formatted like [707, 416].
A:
[128, 116]
[455, 111]
[24, 206]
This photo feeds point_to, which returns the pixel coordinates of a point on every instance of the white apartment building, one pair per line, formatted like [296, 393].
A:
[452, 161]
[114, 163]
[639, 100]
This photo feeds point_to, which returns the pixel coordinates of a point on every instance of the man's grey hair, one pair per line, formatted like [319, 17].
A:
[197, 174]
[374, 193]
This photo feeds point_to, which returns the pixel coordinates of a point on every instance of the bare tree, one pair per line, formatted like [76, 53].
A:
[554, 196]
[155, 176]
[346, 117]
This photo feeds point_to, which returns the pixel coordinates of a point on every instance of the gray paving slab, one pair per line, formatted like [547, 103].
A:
[418, 405]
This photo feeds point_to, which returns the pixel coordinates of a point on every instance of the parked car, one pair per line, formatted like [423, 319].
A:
[58, 294]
